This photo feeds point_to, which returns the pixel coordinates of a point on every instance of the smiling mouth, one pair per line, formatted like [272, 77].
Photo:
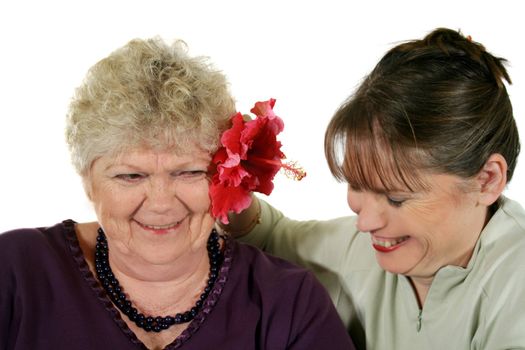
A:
[388, 245]
[159, 229]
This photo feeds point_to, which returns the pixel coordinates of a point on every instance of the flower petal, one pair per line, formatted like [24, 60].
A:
[264, 110]
[231, 137]
[228, 198]
[248, 160]
[232, 176]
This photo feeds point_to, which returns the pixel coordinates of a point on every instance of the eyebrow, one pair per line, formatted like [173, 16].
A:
[113, 165]
[192, 163]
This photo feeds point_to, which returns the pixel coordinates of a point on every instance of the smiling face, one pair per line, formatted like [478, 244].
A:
[153, 205]
[417, 233]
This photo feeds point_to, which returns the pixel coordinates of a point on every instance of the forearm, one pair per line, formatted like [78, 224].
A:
[308, 243]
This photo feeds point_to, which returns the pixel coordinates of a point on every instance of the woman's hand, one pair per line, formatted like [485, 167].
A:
[242, 223]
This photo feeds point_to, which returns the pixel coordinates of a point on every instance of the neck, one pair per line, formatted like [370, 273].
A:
[472, 232]
[165, 287]
[164, 292]
[160, 302]
[162, 288]
[185, 268]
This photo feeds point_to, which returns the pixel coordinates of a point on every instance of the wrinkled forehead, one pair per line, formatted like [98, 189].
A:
[190, 153]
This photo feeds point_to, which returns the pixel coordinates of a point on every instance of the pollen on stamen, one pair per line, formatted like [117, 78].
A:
[293, 171]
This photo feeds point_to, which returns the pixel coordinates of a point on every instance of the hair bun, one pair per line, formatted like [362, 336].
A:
[453, 42]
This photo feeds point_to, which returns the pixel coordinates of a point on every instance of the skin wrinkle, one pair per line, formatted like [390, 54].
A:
[130, 245]
[125, 255]
[158, 110]
[442, 225]
[434, 118]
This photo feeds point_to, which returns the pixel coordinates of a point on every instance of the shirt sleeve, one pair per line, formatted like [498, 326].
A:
[307, 243]
[327, 248]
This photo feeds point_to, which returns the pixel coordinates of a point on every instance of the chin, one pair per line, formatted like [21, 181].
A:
[392, 266]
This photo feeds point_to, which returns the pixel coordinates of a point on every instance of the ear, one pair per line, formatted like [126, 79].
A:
[492, 179]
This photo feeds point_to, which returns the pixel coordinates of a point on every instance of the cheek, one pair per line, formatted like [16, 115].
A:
[437, 229]
[422, 228]
[195, 196]
[112, 203]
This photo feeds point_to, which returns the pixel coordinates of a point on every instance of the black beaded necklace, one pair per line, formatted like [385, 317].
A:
[150, 323]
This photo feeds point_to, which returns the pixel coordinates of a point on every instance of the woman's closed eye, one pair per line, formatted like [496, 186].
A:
[131, 177]
[395, 201]
[191, 174]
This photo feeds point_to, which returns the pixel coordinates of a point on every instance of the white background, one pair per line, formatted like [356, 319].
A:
[308, 55]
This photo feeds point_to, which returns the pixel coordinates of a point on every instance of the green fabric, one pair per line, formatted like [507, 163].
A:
[481, 306]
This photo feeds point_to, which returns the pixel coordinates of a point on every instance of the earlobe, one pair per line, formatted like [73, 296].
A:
[492, 179]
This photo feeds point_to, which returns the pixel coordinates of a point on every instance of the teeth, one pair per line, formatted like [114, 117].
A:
[388, 244]
[161, 227]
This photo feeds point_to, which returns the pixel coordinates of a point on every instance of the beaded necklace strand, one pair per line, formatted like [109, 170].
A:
[152, 323]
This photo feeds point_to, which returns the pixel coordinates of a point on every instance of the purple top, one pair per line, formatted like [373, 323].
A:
[49, 299]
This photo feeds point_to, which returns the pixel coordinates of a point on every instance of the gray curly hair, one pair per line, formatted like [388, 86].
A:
[147, 93]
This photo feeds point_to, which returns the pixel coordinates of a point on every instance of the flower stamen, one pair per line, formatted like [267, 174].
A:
[293, 170]
[247, 161]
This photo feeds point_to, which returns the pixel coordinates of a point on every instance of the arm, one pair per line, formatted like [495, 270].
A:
[304, 242]
[324, 247]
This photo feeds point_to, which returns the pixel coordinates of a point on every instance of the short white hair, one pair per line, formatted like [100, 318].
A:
[147, 93]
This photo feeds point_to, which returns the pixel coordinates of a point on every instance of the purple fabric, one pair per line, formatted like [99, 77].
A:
[50, 300]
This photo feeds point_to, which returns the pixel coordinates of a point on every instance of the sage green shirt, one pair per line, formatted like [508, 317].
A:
[481, 306]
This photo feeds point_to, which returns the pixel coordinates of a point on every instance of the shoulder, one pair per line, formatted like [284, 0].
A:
[514, 213]
[263, 265]
[293, 307]
[501, 273]
[275, 279]
[501, 256]
[28, 257]
[28, 237]
[503, 238]
[25, 246]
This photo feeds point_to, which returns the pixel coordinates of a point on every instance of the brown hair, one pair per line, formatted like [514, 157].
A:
[437, 104]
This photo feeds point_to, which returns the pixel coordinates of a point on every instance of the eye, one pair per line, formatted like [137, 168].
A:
[395, 202]
[191, 174]
[132, 177]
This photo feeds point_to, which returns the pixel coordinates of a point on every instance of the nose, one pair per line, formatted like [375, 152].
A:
[161, 196]
[370, 212]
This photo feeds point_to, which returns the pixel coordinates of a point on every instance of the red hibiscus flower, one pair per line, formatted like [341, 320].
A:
[248, 160]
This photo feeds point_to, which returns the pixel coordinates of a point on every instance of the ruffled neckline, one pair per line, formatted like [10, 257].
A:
[100, 294]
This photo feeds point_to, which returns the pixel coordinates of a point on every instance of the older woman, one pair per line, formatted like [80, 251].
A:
[153, 272]
[435, 258]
